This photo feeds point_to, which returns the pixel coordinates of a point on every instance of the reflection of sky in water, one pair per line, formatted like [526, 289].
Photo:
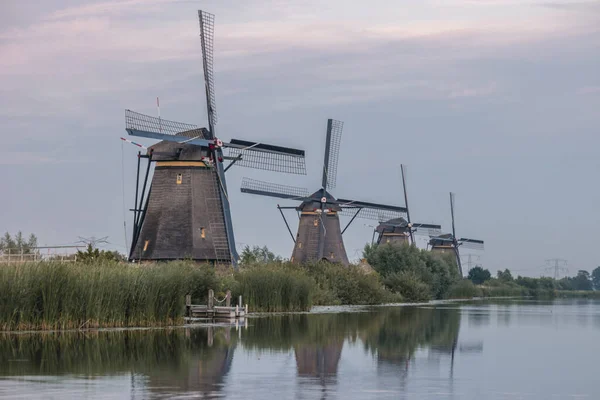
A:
[501, 350]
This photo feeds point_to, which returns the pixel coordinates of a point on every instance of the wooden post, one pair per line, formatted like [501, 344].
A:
[246, 309]
[240, 301]
[211, 299]
[237, 311]
[188, 305]
[228, 299]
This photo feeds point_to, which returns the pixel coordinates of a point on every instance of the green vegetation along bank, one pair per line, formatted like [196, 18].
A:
[103, 292]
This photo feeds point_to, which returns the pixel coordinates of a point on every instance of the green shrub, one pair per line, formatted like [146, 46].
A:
[409, 286]
[464, 289]
[438, 271]
[338, 284]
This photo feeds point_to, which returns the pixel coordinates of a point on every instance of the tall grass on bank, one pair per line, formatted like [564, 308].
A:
[275, 288]
[54, 295]
[287, 287]
[71, 296]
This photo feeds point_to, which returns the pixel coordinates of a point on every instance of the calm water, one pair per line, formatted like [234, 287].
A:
[474, 350]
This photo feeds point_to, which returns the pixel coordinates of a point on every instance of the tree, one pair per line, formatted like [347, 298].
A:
[505, 276]
[258, 255]
[582, 281]
[18, 244]
[92, 254]
[406, 265]
[596, 278]
[478, 275]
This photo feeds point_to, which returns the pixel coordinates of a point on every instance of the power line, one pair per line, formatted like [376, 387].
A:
[557, 264]
[471, 262]
[93, 241]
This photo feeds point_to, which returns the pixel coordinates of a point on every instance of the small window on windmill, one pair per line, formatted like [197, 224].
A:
[146, 245]
[316, 222]
[179, 179]
[202, 233]
[331, 255]
[299, 245]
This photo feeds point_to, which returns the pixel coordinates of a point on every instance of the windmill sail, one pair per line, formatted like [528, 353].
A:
[138, 124]
[474, 244]
[267, 157]
[372, 211]
[332, 151]
[253, 186]
[207, 34]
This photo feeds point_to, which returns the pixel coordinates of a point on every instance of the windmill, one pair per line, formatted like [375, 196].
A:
[319, 233]
[186, 212]
[448, 242]
[400, 230]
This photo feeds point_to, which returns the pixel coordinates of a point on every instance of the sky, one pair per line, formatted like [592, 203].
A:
[497, 101]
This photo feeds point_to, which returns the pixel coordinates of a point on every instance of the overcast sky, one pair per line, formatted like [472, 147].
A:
[495, 100]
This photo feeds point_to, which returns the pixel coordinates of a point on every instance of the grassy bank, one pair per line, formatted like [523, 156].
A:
[73, 295]
[280, 287]
[54, 295]
[465, 289]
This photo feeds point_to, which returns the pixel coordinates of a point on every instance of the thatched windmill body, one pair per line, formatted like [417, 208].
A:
[319, 235]
[186, 212]
[448, 243]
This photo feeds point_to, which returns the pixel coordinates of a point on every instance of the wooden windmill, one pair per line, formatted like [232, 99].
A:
[448, 243]
[400, 230]
[186, 212]
[319, 233]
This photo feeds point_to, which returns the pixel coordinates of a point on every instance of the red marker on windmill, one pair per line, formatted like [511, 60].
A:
[134, 143]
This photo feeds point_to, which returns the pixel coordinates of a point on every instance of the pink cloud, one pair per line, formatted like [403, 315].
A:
[589, 90]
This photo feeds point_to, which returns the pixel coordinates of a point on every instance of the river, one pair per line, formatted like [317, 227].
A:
[509, 349]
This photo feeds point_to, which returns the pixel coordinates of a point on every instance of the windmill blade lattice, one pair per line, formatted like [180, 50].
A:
[474, 244]
[267, 157]
[427, 229]
[135, 121]
[372, 211]
[254, 186]
[207, 34]
[332, 152]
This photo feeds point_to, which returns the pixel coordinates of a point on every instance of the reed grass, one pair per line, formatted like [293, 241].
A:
[275, 288]
[71, 296]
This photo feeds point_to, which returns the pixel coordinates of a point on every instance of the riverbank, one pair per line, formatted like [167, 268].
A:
[59, 296]
[62, 296]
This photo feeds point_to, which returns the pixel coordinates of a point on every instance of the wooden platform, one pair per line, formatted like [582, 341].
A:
[213, 312]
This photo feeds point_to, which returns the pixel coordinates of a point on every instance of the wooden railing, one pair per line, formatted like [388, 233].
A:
[212, 311]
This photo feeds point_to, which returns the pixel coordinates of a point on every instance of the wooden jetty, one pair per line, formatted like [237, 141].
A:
[214, 312]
